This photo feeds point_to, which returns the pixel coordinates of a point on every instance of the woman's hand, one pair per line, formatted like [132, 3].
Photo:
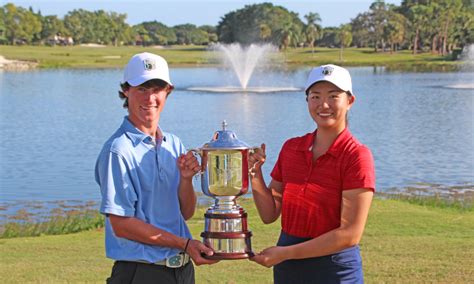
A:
[257, 159]
[270, 256]
[188, 165]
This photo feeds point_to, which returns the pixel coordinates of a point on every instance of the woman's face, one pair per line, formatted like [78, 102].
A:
[328, 105]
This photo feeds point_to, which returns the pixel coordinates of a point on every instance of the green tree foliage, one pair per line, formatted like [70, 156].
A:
[419, 17]
[344, 38]
[420, 25]
[329, 37]
[312, 29]
[52, 26]
[442, 24]
[362, 30]
[21, 24]
[394, 30]
[3, 29]
[261, 23]
[98, 27]
[211, 33]
[155, 33]
[190, 34]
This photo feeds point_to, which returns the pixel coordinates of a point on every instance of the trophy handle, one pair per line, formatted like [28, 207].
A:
[252, 169]
[199, 152]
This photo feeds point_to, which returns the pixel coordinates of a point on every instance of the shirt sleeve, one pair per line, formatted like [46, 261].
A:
[359, 171]
[277, 173]
[118, 193]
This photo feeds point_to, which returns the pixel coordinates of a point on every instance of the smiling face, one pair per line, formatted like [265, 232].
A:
[145, 104]
[328, 105]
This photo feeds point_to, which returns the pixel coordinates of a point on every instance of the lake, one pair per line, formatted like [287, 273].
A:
[54, 123]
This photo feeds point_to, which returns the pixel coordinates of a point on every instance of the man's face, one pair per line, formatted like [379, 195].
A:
[145, 104]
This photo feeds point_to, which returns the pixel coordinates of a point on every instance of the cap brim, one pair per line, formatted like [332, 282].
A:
[326, 80]
[142, 79]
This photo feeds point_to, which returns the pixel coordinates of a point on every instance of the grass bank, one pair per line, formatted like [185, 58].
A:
[116, 57]
[403, 243]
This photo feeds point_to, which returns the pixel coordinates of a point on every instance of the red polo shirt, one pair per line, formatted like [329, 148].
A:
[312, 191]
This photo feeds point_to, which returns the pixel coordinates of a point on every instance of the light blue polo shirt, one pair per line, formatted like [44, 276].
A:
[140, 179]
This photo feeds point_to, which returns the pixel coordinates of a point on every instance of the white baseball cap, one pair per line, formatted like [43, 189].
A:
[146, 66]
[337, 75]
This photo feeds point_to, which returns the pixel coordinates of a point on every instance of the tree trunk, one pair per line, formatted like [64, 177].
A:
[440, 44]
[433, 44]
[445, 37]
[340, 52]
[415, 42]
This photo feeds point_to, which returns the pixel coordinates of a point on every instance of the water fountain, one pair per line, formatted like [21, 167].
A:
[244, 61]
[468, 57]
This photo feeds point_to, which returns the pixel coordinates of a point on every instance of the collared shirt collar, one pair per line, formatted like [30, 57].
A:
[136, 135]
[307, 143]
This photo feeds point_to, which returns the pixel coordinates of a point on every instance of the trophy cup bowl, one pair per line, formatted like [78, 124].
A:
[224, 177]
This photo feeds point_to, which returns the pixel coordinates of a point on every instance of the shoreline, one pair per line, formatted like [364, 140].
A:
[106, 57]
[457, 196]
[16, 65]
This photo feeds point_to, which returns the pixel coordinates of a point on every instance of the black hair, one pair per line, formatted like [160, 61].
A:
[154, 83]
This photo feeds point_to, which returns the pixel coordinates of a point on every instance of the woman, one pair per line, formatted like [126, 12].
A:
[322, 185]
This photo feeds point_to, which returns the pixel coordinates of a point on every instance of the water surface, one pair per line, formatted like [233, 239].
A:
[54, 122]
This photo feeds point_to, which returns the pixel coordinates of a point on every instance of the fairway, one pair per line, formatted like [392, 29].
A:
[403, 243]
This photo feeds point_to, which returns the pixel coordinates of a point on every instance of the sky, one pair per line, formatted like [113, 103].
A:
[207, 12]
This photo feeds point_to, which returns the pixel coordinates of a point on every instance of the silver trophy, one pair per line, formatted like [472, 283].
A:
[225, 176]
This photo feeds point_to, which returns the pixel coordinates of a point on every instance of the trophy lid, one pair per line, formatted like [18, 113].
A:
[225, 140]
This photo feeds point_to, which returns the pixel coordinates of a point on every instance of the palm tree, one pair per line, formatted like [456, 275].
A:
[312, 28]
[394, 31]
[344, 37]
[286, 35]
[419, 15]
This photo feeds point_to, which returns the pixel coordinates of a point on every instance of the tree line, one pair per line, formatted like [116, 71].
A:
[419, 25]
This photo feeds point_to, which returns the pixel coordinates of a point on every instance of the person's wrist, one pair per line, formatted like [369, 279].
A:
[182, 243]
[185, 178]
[186, 246]
[256, 173]
[287, 253]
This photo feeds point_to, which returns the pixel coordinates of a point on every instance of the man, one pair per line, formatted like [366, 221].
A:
[145, 177]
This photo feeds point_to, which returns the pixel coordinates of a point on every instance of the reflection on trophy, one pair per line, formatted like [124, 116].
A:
[224, 178]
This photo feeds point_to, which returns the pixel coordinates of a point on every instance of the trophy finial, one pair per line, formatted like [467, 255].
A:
[224, 125]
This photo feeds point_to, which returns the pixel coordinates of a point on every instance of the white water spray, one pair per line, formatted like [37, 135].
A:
[468, 57]
[244, 60]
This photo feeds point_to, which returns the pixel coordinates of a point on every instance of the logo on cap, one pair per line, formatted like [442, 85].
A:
[149, 64]
[327, 70]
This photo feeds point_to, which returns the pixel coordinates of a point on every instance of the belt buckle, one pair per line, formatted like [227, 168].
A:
[175, 261]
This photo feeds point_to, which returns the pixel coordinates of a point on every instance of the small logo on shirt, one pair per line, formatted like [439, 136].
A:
[327, 70]
[149, 64]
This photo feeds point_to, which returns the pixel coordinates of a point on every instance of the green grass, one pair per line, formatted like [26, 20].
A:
[117, 57]
[402, 243]
[56, 224]
[99, 57]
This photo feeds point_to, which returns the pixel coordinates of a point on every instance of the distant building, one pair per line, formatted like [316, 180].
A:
[57, 39]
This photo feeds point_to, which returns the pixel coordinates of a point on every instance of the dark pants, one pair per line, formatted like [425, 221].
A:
[341, 267]
[143, 273]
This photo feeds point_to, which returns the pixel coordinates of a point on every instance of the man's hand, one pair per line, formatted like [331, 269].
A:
[188, 165]
[196, 249]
